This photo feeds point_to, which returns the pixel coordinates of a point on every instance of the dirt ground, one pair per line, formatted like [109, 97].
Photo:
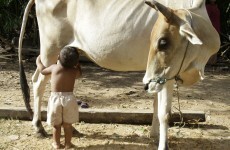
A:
[102, 88]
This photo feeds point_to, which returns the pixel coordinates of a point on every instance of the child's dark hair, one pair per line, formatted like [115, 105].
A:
[69, 57]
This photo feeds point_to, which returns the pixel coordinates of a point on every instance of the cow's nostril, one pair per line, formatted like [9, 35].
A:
[146, 87]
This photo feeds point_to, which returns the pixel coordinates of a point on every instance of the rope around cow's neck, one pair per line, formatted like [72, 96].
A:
[177, 78]
[181, 124]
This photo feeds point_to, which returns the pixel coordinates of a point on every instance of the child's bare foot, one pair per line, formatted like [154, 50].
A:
[68, 146]
[56, 146]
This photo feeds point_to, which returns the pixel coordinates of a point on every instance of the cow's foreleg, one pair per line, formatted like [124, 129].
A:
[155, 122]
[164, 111]
[39, 83]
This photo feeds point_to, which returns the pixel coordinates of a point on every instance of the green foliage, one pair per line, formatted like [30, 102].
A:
[11, 13]
[224, 7]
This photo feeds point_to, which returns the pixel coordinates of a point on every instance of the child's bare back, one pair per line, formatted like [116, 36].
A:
[62, 79]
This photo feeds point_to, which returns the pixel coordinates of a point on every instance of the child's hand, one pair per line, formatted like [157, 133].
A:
[39, 64]
[77, 66]
[78, 69]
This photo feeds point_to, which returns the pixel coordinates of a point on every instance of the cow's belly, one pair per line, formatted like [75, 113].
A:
[119, 54]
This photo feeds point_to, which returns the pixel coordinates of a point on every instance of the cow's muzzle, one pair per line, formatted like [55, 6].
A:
[155, 85]
[158, 80]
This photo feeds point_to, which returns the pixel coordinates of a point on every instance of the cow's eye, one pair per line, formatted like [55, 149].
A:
[163, 44]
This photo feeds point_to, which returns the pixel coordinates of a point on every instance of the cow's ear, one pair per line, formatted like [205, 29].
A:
[187, 31]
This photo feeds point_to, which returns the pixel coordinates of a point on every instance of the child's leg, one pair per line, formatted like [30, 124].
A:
[56, 136]
[68, 134]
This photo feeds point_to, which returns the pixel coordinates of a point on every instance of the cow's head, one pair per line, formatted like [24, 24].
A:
[175, 50]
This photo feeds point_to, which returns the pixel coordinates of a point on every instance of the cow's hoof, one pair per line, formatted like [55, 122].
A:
[77, 133]
[164, 147]
[41, 134]
[153, 134]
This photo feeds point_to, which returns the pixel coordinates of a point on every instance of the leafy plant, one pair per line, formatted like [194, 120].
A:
[225, 47]
[11, 12]
[224, 7]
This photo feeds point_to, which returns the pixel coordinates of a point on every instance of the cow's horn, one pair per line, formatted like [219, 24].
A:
[159, 7]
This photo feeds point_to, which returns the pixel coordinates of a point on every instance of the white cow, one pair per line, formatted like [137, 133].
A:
[112, 33]
[182, 41]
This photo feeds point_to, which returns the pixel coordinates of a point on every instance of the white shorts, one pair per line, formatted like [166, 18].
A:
[62, 107]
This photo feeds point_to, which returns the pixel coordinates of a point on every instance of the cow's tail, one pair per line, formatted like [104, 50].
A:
[23, 81]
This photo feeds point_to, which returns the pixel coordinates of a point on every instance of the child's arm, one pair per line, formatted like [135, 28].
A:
[44, 70]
